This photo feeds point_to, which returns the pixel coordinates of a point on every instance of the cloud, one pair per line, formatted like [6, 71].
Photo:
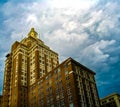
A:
[95, 52]
[76, 4]
[88, 33]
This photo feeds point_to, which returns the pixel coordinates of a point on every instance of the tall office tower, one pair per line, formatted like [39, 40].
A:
[29, 60]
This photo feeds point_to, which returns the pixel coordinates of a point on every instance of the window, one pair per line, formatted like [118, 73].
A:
[21, 78]
[47, 83]
[68, 91]
[47, 90]
[25, 83]
[51, 100]
[59, 76]
[48, 100]
[58, 104]
[68, 84]
[65, 65]
[46, 77]
[56, 78]
[66, 72]
[39, 83]
[61, 95]
[104, 102]
[57, 96]
[111, 99]
[67, 78]
[25, 74]
[58, 70]
[70, 98]
[52, 105]
[71, 105]
[61, 88]
[42, 104]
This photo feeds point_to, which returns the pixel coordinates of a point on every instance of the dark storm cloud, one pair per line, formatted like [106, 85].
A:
[90, 36]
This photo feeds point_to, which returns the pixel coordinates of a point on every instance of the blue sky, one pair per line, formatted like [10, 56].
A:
[86, 30]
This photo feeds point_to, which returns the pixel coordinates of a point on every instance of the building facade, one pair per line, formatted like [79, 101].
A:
[70, 84]
[34, 78]
[112, 100]
[28, 61]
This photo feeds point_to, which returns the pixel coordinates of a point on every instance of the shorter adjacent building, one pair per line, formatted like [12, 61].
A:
[1, 101]
[112, 100]
[70, 84]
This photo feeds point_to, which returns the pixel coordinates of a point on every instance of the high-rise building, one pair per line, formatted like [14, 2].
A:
[28, 61]
[112, 100]
[34, 78]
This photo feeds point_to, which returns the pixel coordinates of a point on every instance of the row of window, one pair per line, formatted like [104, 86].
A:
[79, 71]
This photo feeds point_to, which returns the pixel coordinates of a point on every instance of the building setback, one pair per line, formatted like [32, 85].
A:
[34, 78]
[112, 100]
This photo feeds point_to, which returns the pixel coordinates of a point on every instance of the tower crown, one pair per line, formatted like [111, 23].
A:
[33, 33]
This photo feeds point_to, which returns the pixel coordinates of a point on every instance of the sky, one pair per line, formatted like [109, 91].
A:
[86, 30]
